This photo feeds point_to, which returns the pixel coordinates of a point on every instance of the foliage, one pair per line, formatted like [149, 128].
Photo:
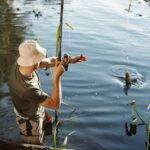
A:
[135, 112]
[58, 37]
[55, 135]
[38, 40]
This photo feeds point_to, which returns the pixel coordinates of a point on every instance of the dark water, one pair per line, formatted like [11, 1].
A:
[114, 42]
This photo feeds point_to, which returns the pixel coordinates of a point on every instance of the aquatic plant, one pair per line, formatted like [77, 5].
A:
[66, 140]
[58, 35]
[148, 136]
[135, 113]
[135, 116]
[58, 54]
[55, 135]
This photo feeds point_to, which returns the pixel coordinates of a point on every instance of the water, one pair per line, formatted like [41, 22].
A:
[110, 38]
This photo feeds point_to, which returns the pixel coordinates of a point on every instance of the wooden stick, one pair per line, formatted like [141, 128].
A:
[12, 145]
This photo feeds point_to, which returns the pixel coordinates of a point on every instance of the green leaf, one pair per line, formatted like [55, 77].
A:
[55, 135]
[69, 26]
[57, 37]
[38, 40]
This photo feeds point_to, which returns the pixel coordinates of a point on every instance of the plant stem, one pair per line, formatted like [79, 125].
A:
[55, 135]
[138, 115]
[148, 135]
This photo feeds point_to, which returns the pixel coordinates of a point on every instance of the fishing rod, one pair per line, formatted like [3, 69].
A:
[59, 42]
[59, 47]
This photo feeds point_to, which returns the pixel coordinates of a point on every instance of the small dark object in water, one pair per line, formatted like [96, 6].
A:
[128, 80]
[39, 13]
[18, 9]
[47, 73]
[140, 15]
[33, 11]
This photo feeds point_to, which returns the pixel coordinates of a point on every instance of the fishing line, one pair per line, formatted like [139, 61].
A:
[69, 39]
[128, 23]
[124, 51]
[67, 15]
[127, 73]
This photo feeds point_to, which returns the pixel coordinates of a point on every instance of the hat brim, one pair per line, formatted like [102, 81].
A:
[31, 61]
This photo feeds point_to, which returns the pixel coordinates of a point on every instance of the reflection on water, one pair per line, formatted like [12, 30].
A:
[136, 123]
[11, 34]
[11, 31]
[132, 129]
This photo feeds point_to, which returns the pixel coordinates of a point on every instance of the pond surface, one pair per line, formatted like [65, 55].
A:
[113, 40]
